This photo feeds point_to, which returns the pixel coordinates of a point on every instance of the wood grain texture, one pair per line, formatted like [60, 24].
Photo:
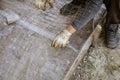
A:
[25, 51]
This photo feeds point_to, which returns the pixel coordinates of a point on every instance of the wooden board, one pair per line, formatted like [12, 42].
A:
[25, 51]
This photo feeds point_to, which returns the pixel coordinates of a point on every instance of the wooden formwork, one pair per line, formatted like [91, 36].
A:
[25, 51]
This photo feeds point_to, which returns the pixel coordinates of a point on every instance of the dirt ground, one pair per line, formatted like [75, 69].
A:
[101, 63]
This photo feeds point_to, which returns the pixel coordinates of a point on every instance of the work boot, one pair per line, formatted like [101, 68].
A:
[112, 38]
[69, 9]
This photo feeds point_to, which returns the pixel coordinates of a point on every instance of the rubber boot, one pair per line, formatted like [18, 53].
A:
[112, 38]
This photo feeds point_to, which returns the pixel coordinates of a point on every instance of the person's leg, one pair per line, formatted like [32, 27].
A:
[72, 7]
[112, 21]
[78, 2]
[112, 38]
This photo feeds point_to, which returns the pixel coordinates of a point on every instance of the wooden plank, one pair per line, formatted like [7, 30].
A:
[83, 51]
[25, 51]
[92, 39]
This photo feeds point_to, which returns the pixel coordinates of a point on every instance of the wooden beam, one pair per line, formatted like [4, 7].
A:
[83, 51]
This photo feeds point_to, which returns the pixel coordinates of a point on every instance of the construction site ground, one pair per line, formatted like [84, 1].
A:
[101, 63]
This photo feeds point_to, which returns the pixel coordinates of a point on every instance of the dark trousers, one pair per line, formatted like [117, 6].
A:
[87, 13]
[112, 18]
[92, 7]
[113, 9]
[78, 2]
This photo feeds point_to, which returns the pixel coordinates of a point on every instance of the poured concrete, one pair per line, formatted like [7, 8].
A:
[25, 51]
